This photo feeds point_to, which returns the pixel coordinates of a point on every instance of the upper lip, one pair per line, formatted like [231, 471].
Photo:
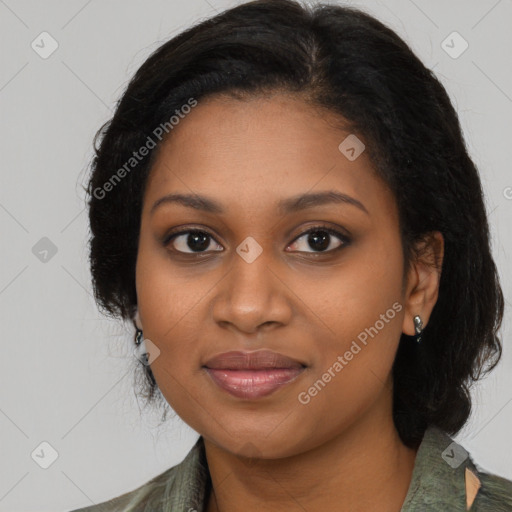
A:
[259, 360]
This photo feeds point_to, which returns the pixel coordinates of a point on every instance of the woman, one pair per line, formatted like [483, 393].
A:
[284, 206]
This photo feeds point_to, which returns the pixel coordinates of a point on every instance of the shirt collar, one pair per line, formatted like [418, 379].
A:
[439, 477]
[440, 474]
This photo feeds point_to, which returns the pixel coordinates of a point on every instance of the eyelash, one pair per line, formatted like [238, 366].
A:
[343, 238]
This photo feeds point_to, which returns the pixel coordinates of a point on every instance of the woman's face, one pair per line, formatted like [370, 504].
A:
[255, 279]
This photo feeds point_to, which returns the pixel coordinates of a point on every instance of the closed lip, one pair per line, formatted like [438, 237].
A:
[256, 360]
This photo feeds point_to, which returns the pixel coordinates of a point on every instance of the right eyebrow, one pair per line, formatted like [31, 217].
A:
[190, 200]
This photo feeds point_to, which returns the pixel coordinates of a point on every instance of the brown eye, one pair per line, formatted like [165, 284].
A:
[191, 241]
[320, 239]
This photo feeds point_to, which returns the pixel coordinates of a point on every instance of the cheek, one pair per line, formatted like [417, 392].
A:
[361, 313]
[352, 370]
[168, 309]
[354, 296]
[165, 295]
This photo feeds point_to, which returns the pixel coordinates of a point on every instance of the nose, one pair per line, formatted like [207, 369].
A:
[252, 297]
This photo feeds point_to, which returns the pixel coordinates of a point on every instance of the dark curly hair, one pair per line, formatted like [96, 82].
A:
[342, 59]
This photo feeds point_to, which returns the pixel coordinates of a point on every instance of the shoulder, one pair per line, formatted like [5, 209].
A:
[495, 494]
[446, 477]
[181, 487]
[137, 499]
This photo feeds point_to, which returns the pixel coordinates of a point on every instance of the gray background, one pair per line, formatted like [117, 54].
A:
[66, 372]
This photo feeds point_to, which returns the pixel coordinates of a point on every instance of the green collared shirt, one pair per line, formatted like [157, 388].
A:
[439, 484]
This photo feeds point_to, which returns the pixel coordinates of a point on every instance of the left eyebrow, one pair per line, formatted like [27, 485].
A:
[285, 206]
[303, 201]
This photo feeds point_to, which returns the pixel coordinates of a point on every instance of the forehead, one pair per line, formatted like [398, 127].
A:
[242, 150]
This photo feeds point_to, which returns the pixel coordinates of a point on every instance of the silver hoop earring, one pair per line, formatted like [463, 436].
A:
[418, 327]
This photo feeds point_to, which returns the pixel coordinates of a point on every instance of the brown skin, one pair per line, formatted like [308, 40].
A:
[341, 450]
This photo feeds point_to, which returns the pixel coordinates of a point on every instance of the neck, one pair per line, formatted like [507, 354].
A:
[364, 467]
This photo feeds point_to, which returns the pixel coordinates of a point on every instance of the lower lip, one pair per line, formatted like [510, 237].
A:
[252, 384]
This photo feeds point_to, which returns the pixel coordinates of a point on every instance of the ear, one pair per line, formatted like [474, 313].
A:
[423, 278]
[137, 321]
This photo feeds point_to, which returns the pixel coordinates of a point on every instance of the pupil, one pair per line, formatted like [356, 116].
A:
[200, 238]
[322, 242]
